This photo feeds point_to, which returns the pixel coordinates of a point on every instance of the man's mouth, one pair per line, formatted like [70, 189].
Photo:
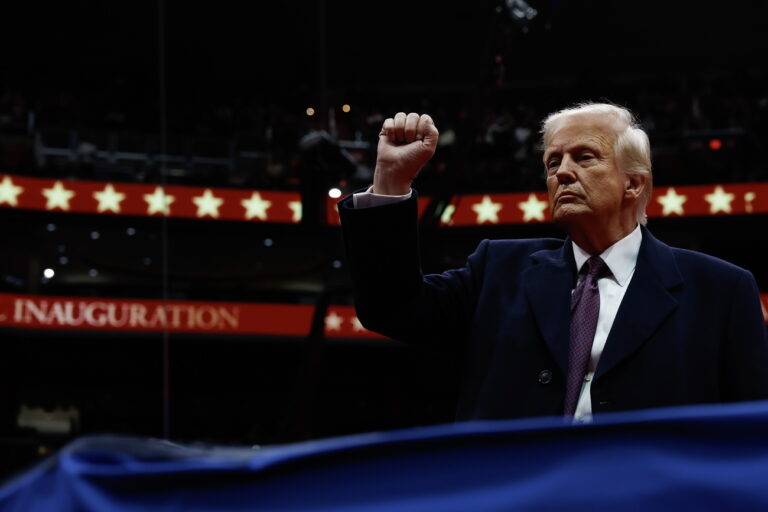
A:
[567, 195]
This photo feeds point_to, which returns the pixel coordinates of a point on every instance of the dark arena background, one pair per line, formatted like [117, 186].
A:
[171, 261]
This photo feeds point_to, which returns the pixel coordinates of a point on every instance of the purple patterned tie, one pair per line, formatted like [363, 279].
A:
[585, 308]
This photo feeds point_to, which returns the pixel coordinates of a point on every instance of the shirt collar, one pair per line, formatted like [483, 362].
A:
[621, 257]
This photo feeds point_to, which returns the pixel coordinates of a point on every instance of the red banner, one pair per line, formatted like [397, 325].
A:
[81, 313]
[77, 313]
[149, 200]
[285, 207]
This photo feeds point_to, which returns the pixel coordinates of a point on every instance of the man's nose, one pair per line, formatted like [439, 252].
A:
[566, 171]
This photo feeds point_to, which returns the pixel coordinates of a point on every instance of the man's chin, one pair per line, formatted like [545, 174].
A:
[566, 215]
[570, 216]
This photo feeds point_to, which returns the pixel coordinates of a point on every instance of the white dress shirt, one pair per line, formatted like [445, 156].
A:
[368, 199]
[620, 258]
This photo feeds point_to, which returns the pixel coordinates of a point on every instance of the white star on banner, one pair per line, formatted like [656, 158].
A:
[207, 204]
[159, 202]
[719, 200]
[533, 208]
[356, 325]
[9, 192]
[672, 202]
[58, 196]
[333, 322]
[487, 210]
[255, 206]
[295, 207]
[109, 199]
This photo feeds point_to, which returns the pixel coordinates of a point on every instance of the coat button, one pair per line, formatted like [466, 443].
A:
[545, 377]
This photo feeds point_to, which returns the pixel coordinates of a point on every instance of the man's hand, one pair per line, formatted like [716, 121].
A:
[406, 143]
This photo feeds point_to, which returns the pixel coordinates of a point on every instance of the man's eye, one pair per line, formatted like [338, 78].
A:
[552, 164]
[587, 156]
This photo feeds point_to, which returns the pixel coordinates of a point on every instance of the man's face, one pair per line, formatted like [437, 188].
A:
[584, 183]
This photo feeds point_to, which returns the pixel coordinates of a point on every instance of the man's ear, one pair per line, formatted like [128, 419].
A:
[634, 185]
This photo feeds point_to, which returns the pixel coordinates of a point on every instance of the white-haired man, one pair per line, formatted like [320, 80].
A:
[608, 319]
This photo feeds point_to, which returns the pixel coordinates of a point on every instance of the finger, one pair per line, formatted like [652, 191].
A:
[427, 131]
[411, 124]
[400, 127]
[387, 130]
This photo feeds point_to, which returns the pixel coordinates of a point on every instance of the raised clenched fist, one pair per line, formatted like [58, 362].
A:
[406, 143]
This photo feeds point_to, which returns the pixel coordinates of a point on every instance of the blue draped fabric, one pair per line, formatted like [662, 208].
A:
[699, 458]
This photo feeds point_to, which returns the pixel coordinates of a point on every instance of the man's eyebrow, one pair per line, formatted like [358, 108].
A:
[579, 146]
[591, 146]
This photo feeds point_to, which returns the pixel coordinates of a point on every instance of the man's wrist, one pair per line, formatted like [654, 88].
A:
[389, 183]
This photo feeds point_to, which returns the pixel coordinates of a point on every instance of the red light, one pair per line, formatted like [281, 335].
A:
[715, 144]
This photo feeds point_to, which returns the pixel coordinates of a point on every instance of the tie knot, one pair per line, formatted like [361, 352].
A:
[596, 268]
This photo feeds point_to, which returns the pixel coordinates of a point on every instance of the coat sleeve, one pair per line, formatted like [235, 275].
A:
[392, 296]
[744, 353]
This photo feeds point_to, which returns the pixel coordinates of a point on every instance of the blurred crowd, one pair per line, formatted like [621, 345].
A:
[702, 130]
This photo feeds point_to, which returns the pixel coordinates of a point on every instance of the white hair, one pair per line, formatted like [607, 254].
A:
[632, 148]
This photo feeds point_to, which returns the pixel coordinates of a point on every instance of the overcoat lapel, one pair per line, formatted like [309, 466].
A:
[548, 284]
[646, 304]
